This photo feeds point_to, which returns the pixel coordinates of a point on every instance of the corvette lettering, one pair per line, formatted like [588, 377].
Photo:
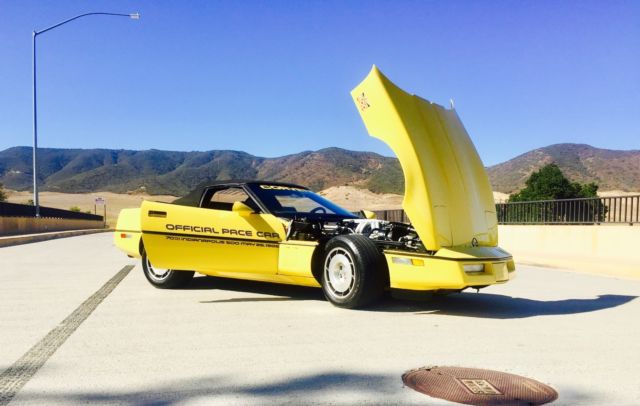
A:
[221, 231]
[279, 187]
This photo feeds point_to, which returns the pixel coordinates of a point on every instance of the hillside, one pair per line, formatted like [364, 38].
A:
[610, 169]
[175, 173]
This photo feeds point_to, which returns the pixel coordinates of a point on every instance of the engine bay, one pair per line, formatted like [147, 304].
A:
[385, 234]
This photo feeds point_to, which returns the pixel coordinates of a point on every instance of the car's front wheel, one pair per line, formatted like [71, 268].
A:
[353, 271]
[164, 278]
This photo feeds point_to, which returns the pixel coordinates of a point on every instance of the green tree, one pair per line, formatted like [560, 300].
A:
[548, 184]
[75, 208]
[3, 195]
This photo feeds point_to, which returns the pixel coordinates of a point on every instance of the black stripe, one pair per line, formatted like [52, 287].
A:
[420, 255]
[211, 237]
[479, 259]
[18, 374]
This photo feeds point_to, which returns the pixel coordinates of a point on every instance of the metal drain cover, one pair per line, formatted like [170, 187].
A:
[472, 386]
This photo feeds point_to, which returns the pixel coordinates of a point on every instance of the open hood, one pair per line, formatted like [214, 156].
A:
[448, 196]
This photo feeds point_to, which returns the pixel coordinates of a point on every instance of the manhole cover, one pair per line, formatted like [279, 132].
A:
[478, 386]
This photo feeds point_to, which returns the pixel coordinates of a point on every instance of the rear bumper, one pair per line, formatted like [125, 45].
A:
[421, 272]
[128, 241]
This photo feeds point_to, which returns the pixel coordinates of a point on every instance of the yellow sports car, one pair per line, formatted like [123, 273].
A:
[284, 233]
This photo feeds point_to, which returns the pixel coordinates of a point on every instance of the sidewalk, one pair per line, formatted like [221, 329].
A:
[10, 240]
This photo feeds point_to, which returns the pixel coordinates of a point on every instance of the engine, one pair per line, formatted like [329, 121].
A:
[386, 234]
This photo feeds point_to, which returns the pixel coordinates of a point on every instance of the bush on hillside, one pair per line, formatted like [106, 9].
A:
[549, 183]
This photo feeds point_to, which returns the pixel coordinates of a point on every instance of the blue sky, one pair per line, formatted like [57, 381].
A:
[273, 78]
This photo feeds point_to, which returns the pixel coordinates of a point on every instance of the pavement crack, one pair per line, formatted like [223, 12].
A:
[18, 374]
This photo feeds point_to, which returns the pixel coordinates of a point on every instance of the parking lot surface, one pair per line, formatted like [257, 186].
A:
[235, 342]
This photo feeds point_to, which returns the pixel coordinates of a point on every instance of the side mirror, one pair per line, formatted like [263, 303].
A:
[241, 208]
[368, 214]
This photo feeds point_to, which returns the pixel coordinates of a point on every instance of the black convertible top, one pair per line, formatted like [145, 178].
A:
[193, 197]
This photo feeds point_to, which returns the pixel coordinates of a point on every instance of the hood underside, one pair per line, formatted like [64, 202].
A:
[448, 196]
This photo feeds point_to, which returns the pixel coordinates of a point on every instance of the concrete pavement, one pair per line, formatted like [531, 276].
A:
[8, 241]
[236, 342]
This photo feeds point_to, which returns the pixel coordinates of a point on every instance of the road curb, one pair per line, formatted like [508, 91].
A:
[11, 240]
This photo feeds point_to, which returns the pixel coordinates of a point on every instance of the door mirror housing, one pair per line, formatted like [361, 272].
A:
[241, 208]
[368, 214]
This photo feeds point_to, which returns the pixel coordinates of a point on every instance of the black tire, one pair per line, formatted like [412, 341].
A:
[167, 278]
[354, 272]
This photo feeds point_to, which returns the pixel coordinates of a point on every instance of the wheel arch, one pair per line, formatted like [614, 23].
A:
[317, 260]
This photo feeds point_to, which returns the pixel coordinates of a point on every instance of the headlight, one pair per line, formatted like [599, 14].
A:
[473, 268]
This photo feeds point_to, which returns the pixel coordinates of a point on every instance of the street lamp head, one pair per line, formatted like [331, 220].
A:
[134, 16]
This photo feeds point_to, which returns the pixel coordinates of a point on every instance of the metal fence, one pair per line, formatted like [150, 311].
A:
[26, 210]
[597, 210]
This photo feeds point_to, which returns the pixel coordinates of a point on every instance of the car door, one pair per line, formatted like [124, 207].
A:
[214, 237]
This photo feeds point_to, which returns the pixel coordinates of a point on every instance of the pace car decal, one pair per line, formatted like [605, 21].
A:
[211, 239]
[222, 231]
[222, 241]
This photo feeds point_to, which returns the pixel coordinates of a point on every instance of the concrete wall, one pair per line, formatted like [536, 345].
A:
[605, 249]
[32, 225]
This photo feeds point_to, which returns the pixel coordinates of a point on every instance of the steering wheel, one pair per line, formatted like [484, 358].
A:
[319, 210]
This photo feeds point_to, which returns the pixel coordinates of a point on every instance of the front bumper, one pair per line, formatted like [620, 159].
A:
[423, 272]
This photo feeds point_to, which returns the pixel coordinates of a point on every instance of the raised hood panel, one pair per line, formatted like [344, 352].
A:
[448, 196]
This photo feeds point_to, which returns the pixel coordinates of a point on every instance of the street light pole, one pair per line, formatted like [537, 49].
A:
[36, 202]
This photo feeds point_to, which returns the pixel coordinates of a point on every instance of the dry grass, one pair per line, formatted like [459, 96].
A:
[349, 197]
[85, 201]
[355, 199]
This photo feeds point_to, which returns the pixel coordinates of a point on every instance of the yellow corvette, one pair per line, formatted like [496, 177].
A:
[284, 233]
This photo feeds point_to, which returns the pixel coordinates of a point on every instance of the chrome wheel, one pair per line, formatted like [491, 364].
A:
[339, 272]
[157, 274]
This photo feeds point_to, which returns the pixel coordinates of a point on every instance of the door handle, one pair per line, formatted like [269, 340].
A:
[154, 213]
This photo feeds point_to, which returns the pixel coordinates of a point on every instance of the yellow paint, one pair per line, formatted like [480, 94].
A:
[295, 258]
[447, 192]
[127, 234]
[219, 249]
[442, 273]
[369, 214]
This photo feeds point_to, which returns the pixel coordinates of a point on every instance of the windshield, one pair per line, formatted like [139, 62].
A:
[292, 202]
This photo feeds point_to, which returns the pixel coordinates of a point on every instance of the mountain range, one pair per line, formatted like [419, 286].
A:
[609, 169]
[174, 172]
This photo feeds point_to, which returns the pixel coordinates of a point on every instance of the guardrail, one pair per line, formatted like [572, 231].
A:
[587, 211]
[25, 210]
[596, 210]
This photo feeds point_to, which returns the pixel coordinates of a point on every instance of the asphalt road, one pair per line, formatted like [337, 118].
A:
[234, 342]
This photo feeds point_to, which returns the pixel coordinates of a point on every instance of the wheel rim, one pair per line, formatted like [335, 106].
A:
[339, 272]
[157, 274]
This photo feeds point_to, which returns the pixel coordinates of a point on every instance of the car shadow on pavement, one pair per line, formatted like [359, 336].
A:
[316, 388]
[493, 306]
[465, 304]
[283, 292]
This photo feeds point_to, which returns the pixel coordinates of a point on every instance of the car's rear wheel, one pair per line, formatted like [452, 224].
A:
[354, 271]
[164, 278]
